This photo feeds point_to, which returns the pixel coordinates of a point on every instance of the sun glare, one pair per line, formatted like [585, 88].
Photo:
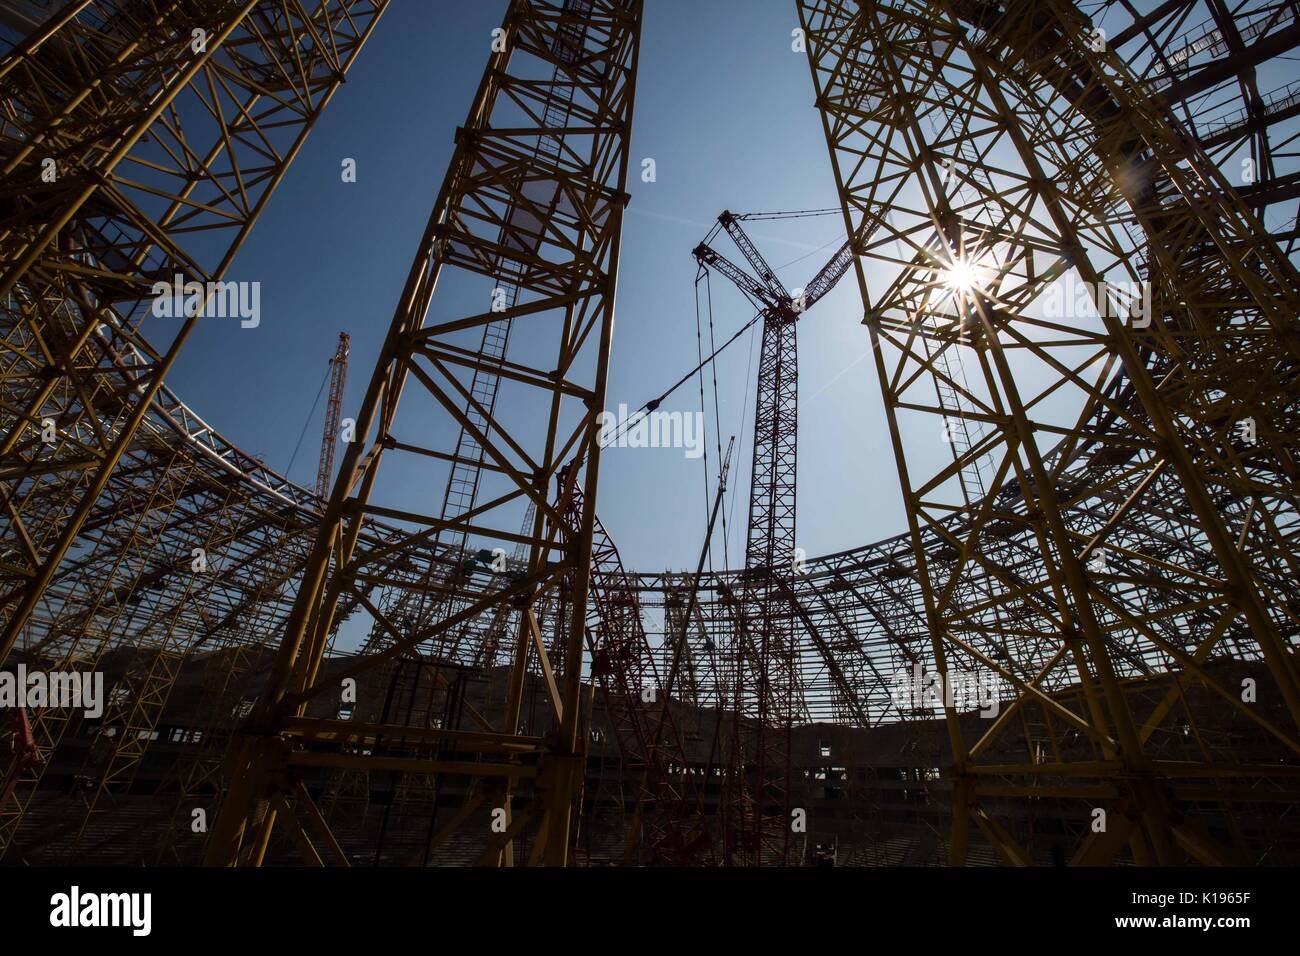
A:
[960, 276]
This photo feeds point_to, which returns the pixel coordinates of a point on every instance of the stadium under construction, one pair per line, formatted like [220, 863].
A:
[1080, 648]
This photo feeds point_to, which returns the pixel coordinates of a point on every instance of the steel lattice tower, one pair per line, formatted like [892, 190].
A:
[127, 127]
[982, 153]
[129, 124]
[1101, 504]
[552, 222]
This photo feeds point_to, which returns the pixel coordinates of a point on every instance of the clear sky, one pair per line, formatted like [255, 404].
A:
[725, 108]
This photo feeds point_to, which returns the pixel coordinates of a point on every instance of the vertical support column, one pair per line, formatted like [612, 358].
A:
[552, 220]
[970, 208]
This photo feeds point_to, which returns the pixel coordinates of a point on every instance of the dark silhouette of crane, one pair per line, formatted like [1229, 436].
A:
[333, 413]
[757, 823]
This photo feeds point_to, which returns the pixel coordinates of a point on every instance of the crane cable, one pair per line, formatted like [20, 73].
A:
[717, 417]
[654, 403]
[705, 275]
[795, 214]
[807, 255]
[699, 355]
[310, 415]
[740, 430]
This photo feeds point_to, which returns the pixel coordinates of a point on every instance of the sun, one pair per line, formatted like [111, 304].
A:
[969, 275]
[960, 277]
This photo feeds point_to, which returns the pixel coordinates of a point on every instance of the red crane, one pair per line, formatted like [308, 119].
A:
[333, 411]
[757, 812]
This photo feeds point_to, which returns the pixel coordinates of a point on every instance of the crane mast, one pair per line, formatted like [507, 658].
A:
[765, 659]
[333, 413]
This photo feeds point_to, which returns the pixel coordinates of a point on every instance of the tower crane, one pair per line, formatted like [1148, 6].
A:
[333, 411]
[757, 824]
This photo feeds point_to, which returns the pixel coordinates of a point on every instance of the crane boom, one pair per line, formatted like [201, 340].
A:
[711, 259]
[766, 273]
[831, 273]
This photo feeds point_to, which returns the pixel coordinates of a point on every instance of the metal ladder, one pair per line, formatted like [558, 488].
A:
[463, 482]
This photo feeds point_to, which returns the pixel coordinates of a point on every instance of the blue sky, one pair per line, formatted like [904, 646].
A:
[725, 108]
